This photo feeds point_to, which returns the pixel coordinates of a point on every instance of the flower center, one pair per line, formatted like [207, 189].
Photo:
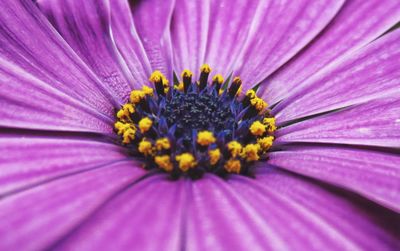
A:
[195, 127]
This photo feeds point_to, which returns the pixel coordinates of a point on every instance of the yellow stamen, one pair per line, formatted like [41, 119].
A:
[122, 127]
[145, 124]
[233, 166]
[239, 91]
[214, 155]
[164, 162]
[186, 161]
[186, 74]
[271, 124]
[205, 68]
[205, 138]
[250, 152]
[179, 87]
[156, 76]
[234, 148]
[147, 90]
[163, 143]
[126, 111]
[257, 128]
[258, 103]
[218, 79]
[129, 135]
[137, 96]
[145, 147]
[265, 143]
[251, 94]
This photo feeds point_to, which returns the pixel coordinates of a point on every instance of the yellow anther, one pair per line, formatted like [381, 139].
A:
[163, 144]
[145, 124]
[250, 152]
[205, 68]
[156, 77]
[186, 161]
[214, 155]
[186, 74]
[251, 94]
[218, 79]
[220, 92]
[257, 128]
[265, 143]
[258, 103]
[145, 147]
[166, 89]
[147, 90]
[205, 138]
[136, 96]
[234, 148]
[128, 135]
[270, 122]
[239, 91]
[122, 127]
[233, 166]
[164, 162]
[126, 111]
[179, 87]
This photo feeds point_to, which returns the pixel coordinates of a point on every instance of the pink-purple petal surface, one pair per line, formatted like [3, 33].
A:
[312, 216]
[37, 218]
[369, 73]
[28, 159]
[189, 29]
[374, 123]
[373, 174]
[86, 27]
[152, 20]
[356, 24]
[126, 38]
[146, 216]
[27, 102]
[279, 31]
[28, 40]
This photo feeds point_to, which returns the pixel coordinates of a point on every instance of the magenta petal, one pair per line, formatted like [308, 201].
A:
[28, 40]
[307, 216]
[37, 218]
[27, 102]
[28, 159]
[189, 30]
[146, 216]
[280, 30]
[152, 20]
[369, 73]
[375, 123]
[229, 27]
[86, 27]
[375, 175]
[348, 31]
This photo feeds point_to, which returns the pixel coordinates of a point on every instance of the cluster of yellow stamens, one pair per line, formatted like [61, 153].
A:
[143, 129]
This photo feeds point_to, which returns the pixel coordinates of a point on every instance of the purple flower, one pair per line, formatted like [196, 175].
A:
[328, 69]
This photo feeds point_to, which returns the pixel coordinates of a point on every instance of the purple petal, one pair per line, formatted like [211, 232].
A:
[27, 102]
[59, 206]
[152, 20]
[308, 216]
[230, 23]
[375, 123]
[280, 30]
[368, 73]
[86, 28]
[375, 175]
[189, 31]
[28, 40]
[348, 31]
[147, 216]
[128, 42]
[263, 214]
[29, 159]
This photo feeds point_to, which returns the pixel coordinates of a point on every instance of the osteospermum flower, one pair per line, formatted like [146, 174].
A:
[199, 125]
